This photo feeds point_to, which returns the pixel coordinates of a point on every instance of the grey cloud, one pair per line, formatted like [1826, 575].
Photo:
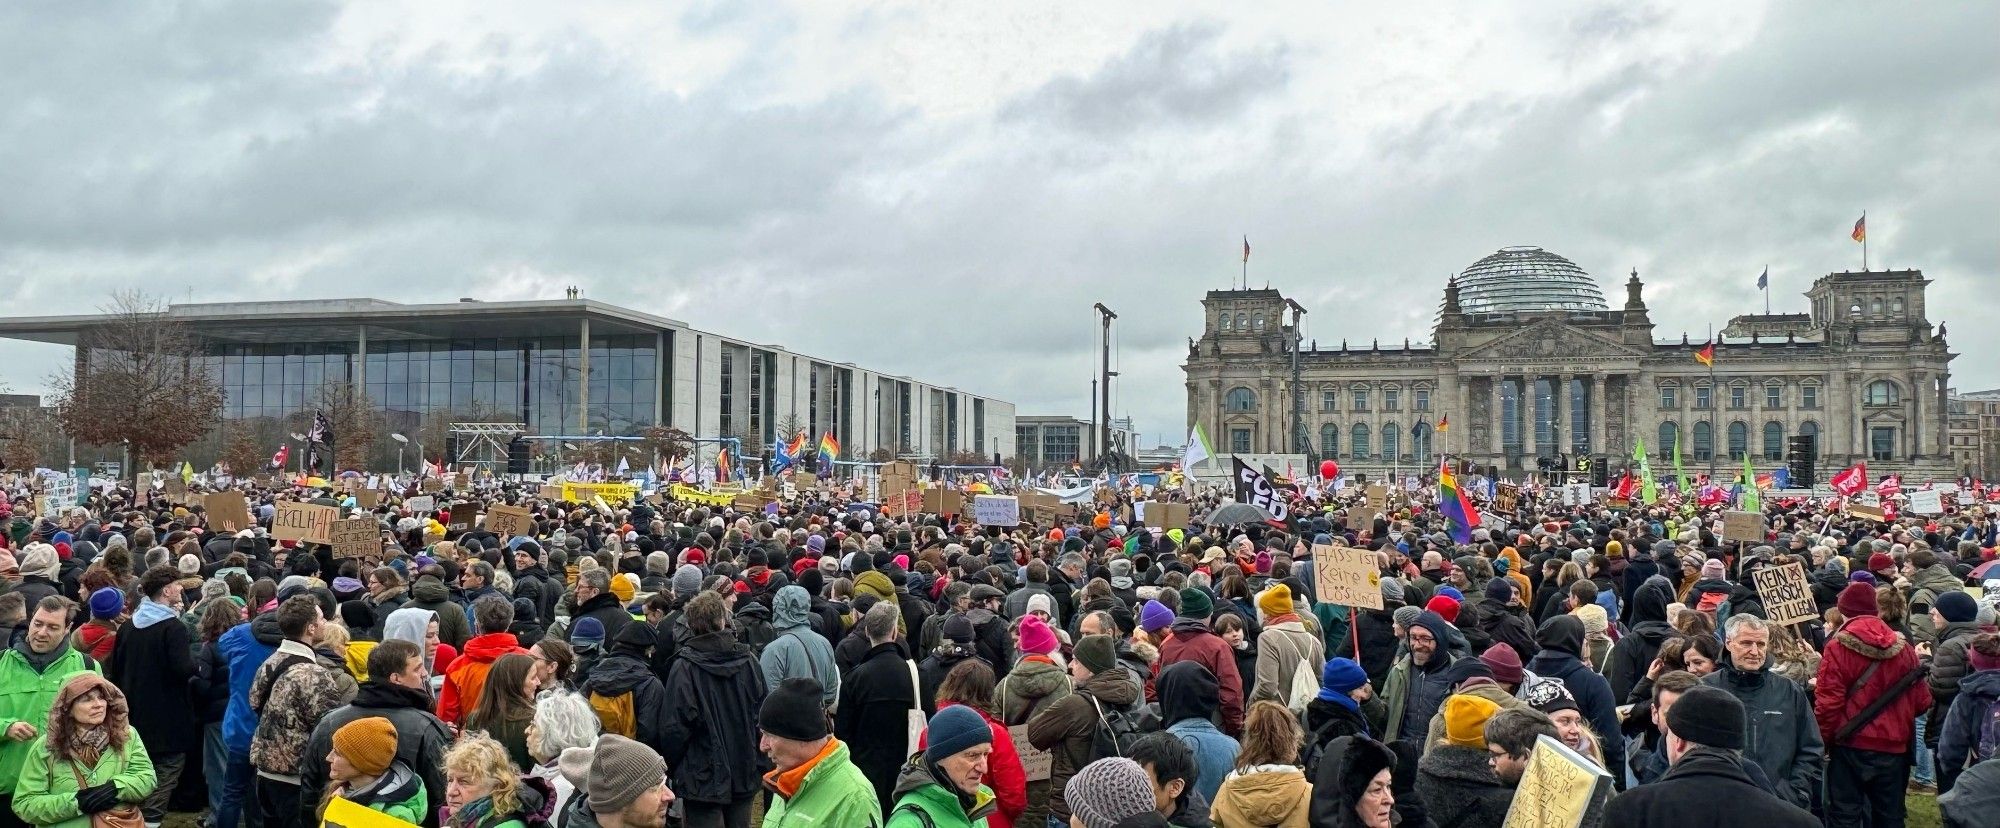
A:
[1172, 77]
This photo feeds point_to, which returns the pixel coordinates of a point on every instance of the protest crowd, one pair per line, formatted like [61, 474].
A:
[1122, 654]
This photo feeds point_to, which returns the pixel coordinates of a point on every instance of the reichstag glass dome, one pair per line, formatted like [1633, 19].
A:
[1527, 279]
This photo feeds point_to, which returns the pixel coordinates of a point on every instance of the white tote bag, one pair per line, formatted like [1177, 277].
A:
[917, 721]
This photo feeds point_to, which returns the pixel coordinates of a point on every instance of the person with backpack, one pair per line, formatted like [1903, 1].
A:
[1035, 684]
[630, 701]
[1076, 729]
[797, 651]
[710, 725]
[292, 690]
[1289, 657]
[1970, 729]
[1869, 693]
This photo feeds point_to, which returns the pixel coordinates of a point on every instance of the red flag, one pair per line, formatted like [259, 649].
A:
[1850, 482]
[1625, 486]
[284, 453]
[1890, 485]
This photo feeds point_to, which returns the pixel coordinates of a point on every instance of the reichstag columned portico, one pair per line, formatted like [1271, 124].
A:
[1529, 361]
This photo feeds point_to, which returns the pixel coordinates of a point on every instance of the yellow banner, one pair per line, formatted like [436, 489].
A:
[690, 494]
[344, 813]
[619, 493]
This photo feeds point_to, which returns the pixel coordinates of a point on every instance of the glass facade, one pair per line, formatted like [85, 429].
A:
[277, 380]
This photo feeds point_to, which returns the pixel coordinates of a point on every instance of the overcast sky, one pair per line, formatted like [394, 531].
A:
[943, 189]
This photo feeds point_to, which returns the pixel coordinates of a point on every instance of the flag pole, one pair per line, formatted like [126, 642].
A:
[1767, 290]
[1864, 242]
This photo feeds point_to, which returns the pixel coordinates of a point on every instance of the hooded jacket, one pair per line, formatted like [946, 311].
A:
[431, 594]
[1188, 700]
[1633, 655]
[1562, 646]
[1455, 780]
[710, 733]
[1067, 728]
[796, 650]
[1690, 793]
[917, 788]
[1971, 708]
[246, 646]
[467, 676]
[623, 670]
[27, 691]
[1413, 692]
[1840, 694]
[398, 793]
[152, 663]
[421, 742]
[1925, 587]
[1264, 795]
[1033, 686]
[1190, 639]
[1506, 625]
[1782, 736]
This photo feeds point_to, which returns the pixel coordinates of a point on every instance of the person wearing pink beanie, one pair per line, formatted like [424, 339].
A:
[1035, 637]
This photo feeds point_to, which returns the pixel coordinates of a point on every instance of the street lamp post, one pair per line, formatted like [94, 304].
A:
[401, 441]
[303, 448]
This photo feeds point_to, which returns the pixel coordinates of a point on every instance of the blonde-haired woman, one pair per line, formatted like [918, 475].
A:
[483, 790]
[89, 762]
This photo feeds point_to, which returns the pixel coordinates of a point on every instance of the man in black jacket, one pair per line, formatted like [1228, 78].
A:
[594, 599]
[1707, 785]
[152, 662]
[532, 581]
[1633, 655]
[1783, 732]
[716, 688]
[875, 701]
[396, 690]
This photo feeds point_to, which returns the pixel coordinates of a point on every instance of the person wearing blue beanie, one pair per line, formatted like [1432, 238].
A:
[954, 730]
[588, 631]
[1453, 592]
[1336, 711]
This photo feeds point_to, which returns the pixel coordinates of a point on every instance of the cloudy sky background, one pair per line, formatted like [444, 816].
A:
[943, 190]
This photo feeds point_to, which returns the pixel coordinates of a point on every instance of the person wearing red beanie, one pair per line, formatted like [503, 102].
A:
[1856, 601]
[1446, 606]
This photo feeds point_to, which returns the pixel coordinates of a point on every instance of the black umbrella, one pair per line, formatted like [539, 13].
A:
[1237, 514]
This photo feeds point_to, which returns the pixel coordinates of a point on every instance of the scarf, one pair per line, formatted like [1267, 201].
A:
[1280, 619]
[86, 745]
[472, 814]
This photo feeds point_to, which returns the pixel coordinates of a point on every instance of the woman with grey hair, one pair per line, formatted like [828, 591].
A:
[559, 740]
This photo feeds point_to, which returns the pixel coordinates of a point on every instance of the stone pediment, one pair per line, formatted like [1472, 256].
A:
[1554, 340]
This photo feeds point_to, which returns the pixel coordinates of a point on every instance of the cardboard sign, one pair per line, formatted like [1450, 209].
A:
[1378, 497]
[228, 511]
[355, 538]
[1743, 526]
[1361, 517]
[903, 504]
[432, 484]
[808, 480]
[942, 501]
[1556, 788]
[1038, 764]
[508, 520]
[1167, 515]
[550, 493]
[1507, 496]
[309, 522]
[1346, 576]
[1787, 597]
[1873, 513]
[367, 498]
[1927, 502]
[996, 510]
[420, 505]
[463, 513]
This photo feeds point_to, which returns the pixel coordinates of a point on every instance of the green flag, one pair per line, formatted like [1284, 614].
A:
[1680, 474]
[1750, 502]
[1649, 491]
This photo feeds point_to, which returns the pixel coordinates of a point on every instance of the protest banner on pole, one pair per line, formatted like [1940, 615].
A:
[1787, 598]
[1346, 576]
[1743, 526]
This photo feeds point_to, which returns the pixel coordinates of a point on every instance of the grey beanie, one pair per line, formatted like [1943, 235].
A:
[1109, 791]
[659, 563]
[620, 771]
[1392, 590]
[687, 581]
[1407, 616]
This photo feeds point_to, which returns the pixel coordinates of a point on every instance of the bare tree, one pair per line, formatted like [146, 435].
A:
[242, 454]
[789, 426]
[665, 442]
[30, 437]
[139, 380]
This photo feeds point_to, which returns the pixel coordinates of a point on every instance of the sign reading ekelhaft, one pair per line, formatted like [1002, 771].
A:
[1254, 488]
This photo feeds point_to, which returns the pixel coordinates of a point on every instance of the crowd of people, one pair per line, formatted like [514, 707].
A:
[822, 663]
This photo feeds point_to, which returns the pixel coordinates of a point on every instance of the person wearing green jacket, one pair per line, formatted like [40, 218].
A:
[362, 768]
[939, 788]
[89, 761]
[816, 783]
[32, 673]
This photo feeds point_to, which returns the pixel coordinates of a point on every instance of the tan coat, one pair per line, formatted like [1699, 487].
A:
[1281, 647]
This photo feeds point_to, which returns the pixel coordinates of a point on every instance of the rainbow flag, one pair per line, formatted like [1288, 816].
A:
[829, 449]
[722, 465]
[797, 447]
[1457, 507]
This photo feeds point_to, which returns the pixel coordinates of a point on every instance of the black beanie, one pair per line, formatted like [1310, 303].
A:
[793, 711]
[1708, 716]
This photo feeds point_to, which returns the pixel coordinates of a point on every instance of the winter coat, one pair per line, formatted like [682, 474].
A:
[298, 687]
[1033, 686]
[535, 585]
[874, 715]
[1974, 802]
[96, 638]
[1067, 728]
[714, 692]
[1971, 708]
[752, 626]
[1326, 721]
[1633, 655]
[1004, 774]
[45, 792]
[1192, 640]
[208, 688]
[606, 610]
[1782, 736]
[26, 696]
[1485, 690]
[830, 792]
[1950, 662]
[1639, 568]
[1017, 603]
[467, 676]
[246, 647]
[1506, 625]
[1411, 695]
[399, 793]
[1838, 695]
[1593, 697]
[932, 670]
[1277, 796]
[993, 638]
[152, 664]
[623, 671]
[1454, 780]
[453, 629]
[381, 605]
[915, 789]
[797, 651]
[1283, 649]
[1376, 630]
[1694, 791]
[1188, 699]
[1925, 587]
[421, 741]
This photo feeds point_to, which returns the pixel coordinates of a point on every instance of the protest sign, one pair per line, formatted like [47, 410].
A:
[228, 511]
[508, 520]
[431, 484]
[996, 510]
[356, 538]
[1507, 496]
[548, 492]
[1859, 510]
[619, 493]
[367, 498]
[1037, 763]
[463, 513]
[904, 503]
[1377, 497]
[1556, 788]
[1743, 526]
[309, 522]
[422, 504]
[1362, 517]
[943, 501]
[1787, 598]
[1165, 515]
[1346, 576]
[344, 813]
[1927, 502]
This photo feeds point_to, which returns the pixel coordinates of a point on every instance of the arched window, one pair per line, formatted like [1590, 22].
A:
[1329, 440]
[1358, 445]
[1774, 440]
[1240, 399]
[1875, 307]
[1225, 322]
[1420, 440]
[1811, 429]
[1669, 432]
[1392, 441]
[1259, 323]
[1704, 441]
[1739, 440]
[1242, 323]
[1883, 392]
[1896, 305]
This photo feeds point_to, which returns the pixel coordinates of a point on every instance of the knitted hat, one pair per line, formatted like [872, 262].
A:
[620, 771]
[1041, 601]
[1956, 606]
[1275, 601]
[624, 585]
[955, 729]
[1549, 695]
[1444, 605]
[1196, 604]
[1856, 601]
[1452, 593]
[1392, 590]
[958, 628]
[1504, 662]
[1596, 622]
[1500, 589]
[1154, 617]
[1880, 561]
[1708, 716]
[1406, 615]
[1979, 659]
[39, 559]
[1097, 652]
[1465, 720]
[1863, 577]
[106, 603]
[1107, 792]
[189, 565]
[368, 744]
[1712, 569]
[687, 580]
[588, 630]
[1036, 638]
[794, 710]
[1339, 677]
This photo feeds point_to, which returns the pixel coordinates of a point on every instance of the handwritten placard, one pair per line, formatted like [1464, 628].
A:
[228, 511]
[1924, 502]
[309, 522]
[1346, 576]
[1787, 598]
[1038, 764]
[996, 510]
[508, 520]
[367, 498]
[1743, 526]
[421, 505]
[1556, 788]
[463, 513]
[356, 537]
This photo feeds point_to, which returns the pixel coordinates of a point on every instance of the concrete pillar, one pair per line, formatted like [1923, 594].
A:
[1530, 418]
[1599, 444]
[1559, 416]
[583, 377]
[1496, 419]
[360, 373]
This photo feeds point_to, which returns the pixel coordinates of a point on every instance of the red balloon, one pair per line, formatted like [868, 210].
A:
[1329, 469]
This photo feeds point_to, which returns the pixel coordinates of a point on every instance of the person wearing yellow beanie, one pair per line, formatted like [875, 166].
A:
[1465, 720]
[624, 587]
[1455, 776]
[366, 745]
[362, 769]
[1275, 601]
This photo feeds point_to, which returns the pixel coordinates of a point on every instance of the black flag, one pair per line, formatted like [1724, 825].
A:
[1254, 488]
[319, 437]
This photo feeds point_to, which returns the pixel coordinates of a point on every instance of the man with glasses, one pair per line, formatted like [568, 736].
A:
[1417, 684]
[594, 600]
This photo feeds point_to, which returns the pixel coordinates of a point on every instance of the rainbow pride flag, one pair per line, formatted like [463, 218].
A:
[1457, 507]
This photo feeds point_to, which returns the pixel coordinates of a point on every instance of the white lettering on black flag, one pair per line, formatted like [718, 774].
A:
[1254, 488]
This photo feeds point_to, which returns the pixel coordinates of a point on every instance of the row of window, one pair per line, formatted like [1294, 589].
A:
[1739, 396]
[1241, 398]
[1702, 439]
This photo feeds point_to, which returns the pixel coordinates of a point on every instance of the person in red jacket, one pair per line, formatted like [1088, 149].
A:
[1190, 639]
[970, 684]
[467, 675]
[1864, 660]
